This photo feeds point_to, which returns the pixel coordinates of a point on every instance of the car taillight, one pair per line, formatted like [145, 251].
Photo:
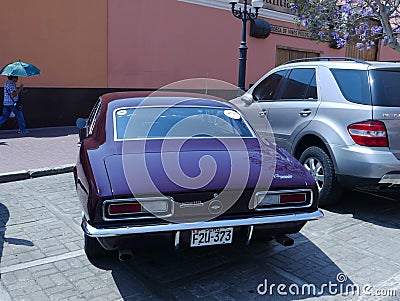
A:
[124, 208]
[154, 206]
[268, 199]
[369, 133]
[292, 198]
[137, 208]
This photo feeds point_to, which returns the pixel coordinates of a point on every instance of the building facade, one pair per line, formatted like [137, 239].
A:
[86, 48]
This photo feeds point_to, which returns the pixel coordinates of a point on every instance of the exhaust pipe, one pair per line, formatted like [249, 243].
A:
[284, 240]
[125, 255]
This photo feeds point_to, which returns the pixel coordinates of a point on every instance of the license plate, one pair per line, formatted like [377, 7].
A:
[208, 237]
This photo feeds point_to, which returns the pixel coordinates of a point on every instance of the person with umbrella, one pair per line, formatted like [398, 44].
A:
[11, 97]
[11, 92]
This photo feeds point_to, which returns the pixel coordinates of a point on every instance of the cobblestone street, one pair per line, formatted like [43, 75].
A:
[355, 246]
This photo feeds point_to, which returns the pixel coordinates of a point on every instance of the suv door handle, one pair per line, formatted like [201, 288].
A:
[262, 113]
[305, 113]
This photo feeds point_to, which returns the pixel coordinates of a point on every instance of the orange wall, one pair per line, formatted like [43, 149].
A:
[153, 43]
[135, 43]
[66, 39]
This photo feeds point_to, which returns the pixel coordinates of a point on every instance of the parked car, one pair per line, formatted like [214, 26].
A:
[340, 117]
[189, 170]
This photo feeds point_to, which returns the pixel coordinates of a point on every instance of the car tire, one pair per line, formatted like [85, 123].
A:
[92, 248]
[320, 165]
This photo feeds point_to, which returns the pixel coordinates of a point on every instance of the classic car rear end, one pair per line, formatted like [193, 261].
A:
[190, 171]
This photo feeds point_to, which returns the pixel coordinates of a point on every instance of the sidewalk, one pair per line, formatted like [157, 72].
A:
[44, 151]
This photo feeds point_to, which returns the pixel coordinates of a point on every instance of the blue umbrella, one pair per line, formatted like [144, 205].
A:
[19, 69]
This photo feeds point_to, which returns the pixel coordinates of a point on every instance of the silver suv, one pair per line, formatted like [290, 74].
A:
[340, 117]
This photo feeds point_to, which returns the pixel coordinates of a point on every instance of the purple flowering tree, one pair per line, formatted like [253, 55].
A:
[340, 22]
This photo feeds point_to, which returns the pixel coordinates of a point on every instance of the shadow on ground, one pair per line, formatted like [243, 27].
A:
[4, 217]
[41, 132]
[236, 272]
[380, 208]
[226, 273]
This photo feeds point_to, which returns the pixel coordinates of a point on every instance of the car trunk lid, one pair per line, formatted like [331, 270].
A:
[200, 165]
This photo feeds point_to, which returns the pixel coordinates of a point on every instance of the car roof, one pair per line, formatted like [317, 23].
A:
[109, 97]
[147, 99]
[340, 63]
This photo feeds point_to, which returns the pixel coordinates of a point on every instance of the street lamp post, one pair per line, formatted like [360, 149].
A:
[245, 15]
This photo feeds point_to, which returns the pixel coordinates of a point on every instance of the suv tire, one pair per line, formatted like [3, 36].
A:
[320, 165]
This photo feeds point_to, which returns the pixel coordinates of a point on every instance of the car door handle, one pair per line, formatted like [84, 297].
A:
[305, 113]
[262, 113]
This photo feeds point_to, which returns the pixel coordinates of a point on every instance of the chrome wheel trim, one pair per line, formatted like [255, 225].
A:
[316, 169]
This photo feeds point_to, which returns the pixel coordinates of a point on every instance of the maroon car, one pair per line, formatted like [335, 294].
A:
[183, 171]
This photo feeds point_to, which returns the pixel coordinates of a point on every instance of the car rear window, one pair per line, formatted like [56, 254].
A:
[178, 122]
[385, 87]
[354, 85]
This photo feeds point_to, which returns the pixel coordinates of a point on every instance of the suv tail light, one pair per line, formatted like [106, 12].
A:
[369, 133]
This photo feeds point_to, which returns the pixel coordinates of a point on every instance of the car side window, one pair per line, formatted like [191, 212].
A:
[93, 117]
[312, 89]
[268, 88]
[300, 84]
[354, 85]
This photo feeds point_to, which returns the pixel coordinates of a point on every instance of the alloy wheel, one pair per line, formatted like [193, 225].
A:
[316, 169]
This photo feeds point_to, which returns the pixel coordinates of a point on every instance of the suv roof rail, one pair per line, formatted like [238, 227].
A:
[327, 58]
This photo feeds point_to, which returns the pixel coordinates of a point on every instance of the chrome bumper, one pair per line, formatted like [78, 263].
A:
[252, 221]
[391, 179]
[364, 162]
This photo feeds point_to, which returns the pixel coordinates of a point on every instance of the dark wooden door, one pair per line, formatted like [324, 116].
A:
[284, 54]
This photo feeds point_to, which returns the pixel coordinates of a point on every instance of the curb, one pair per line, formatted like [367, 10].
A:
[35, 173]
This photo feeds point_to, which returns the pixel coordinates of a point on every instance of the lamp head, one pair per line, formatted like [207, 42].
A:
[232, 1]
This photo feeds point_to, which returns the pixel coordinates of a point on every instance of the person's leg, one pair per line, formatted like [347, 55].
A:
[6, 114]
[20, 118]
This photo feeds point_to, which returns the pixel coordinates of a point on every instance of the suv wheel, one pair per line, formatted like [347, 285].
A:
[320, 165]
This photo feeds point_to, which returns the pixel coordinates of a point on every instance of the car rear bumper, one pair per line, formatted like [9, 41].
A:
[252, 221]
[366, 164]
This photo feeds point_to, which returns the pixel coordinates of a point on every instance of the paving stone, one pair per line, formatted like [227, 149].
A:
[9, 279]
[37, 296]
[45, 282]
[43, 270]
[42, 222]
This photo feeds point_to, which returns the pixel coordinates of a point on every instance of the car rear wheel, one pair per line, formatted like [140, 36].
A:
[320, 165]
[92, 248]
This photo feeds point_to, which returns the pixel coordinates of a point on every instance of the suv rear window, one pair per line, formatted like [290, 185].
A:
[386, 87]
[354, 85]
